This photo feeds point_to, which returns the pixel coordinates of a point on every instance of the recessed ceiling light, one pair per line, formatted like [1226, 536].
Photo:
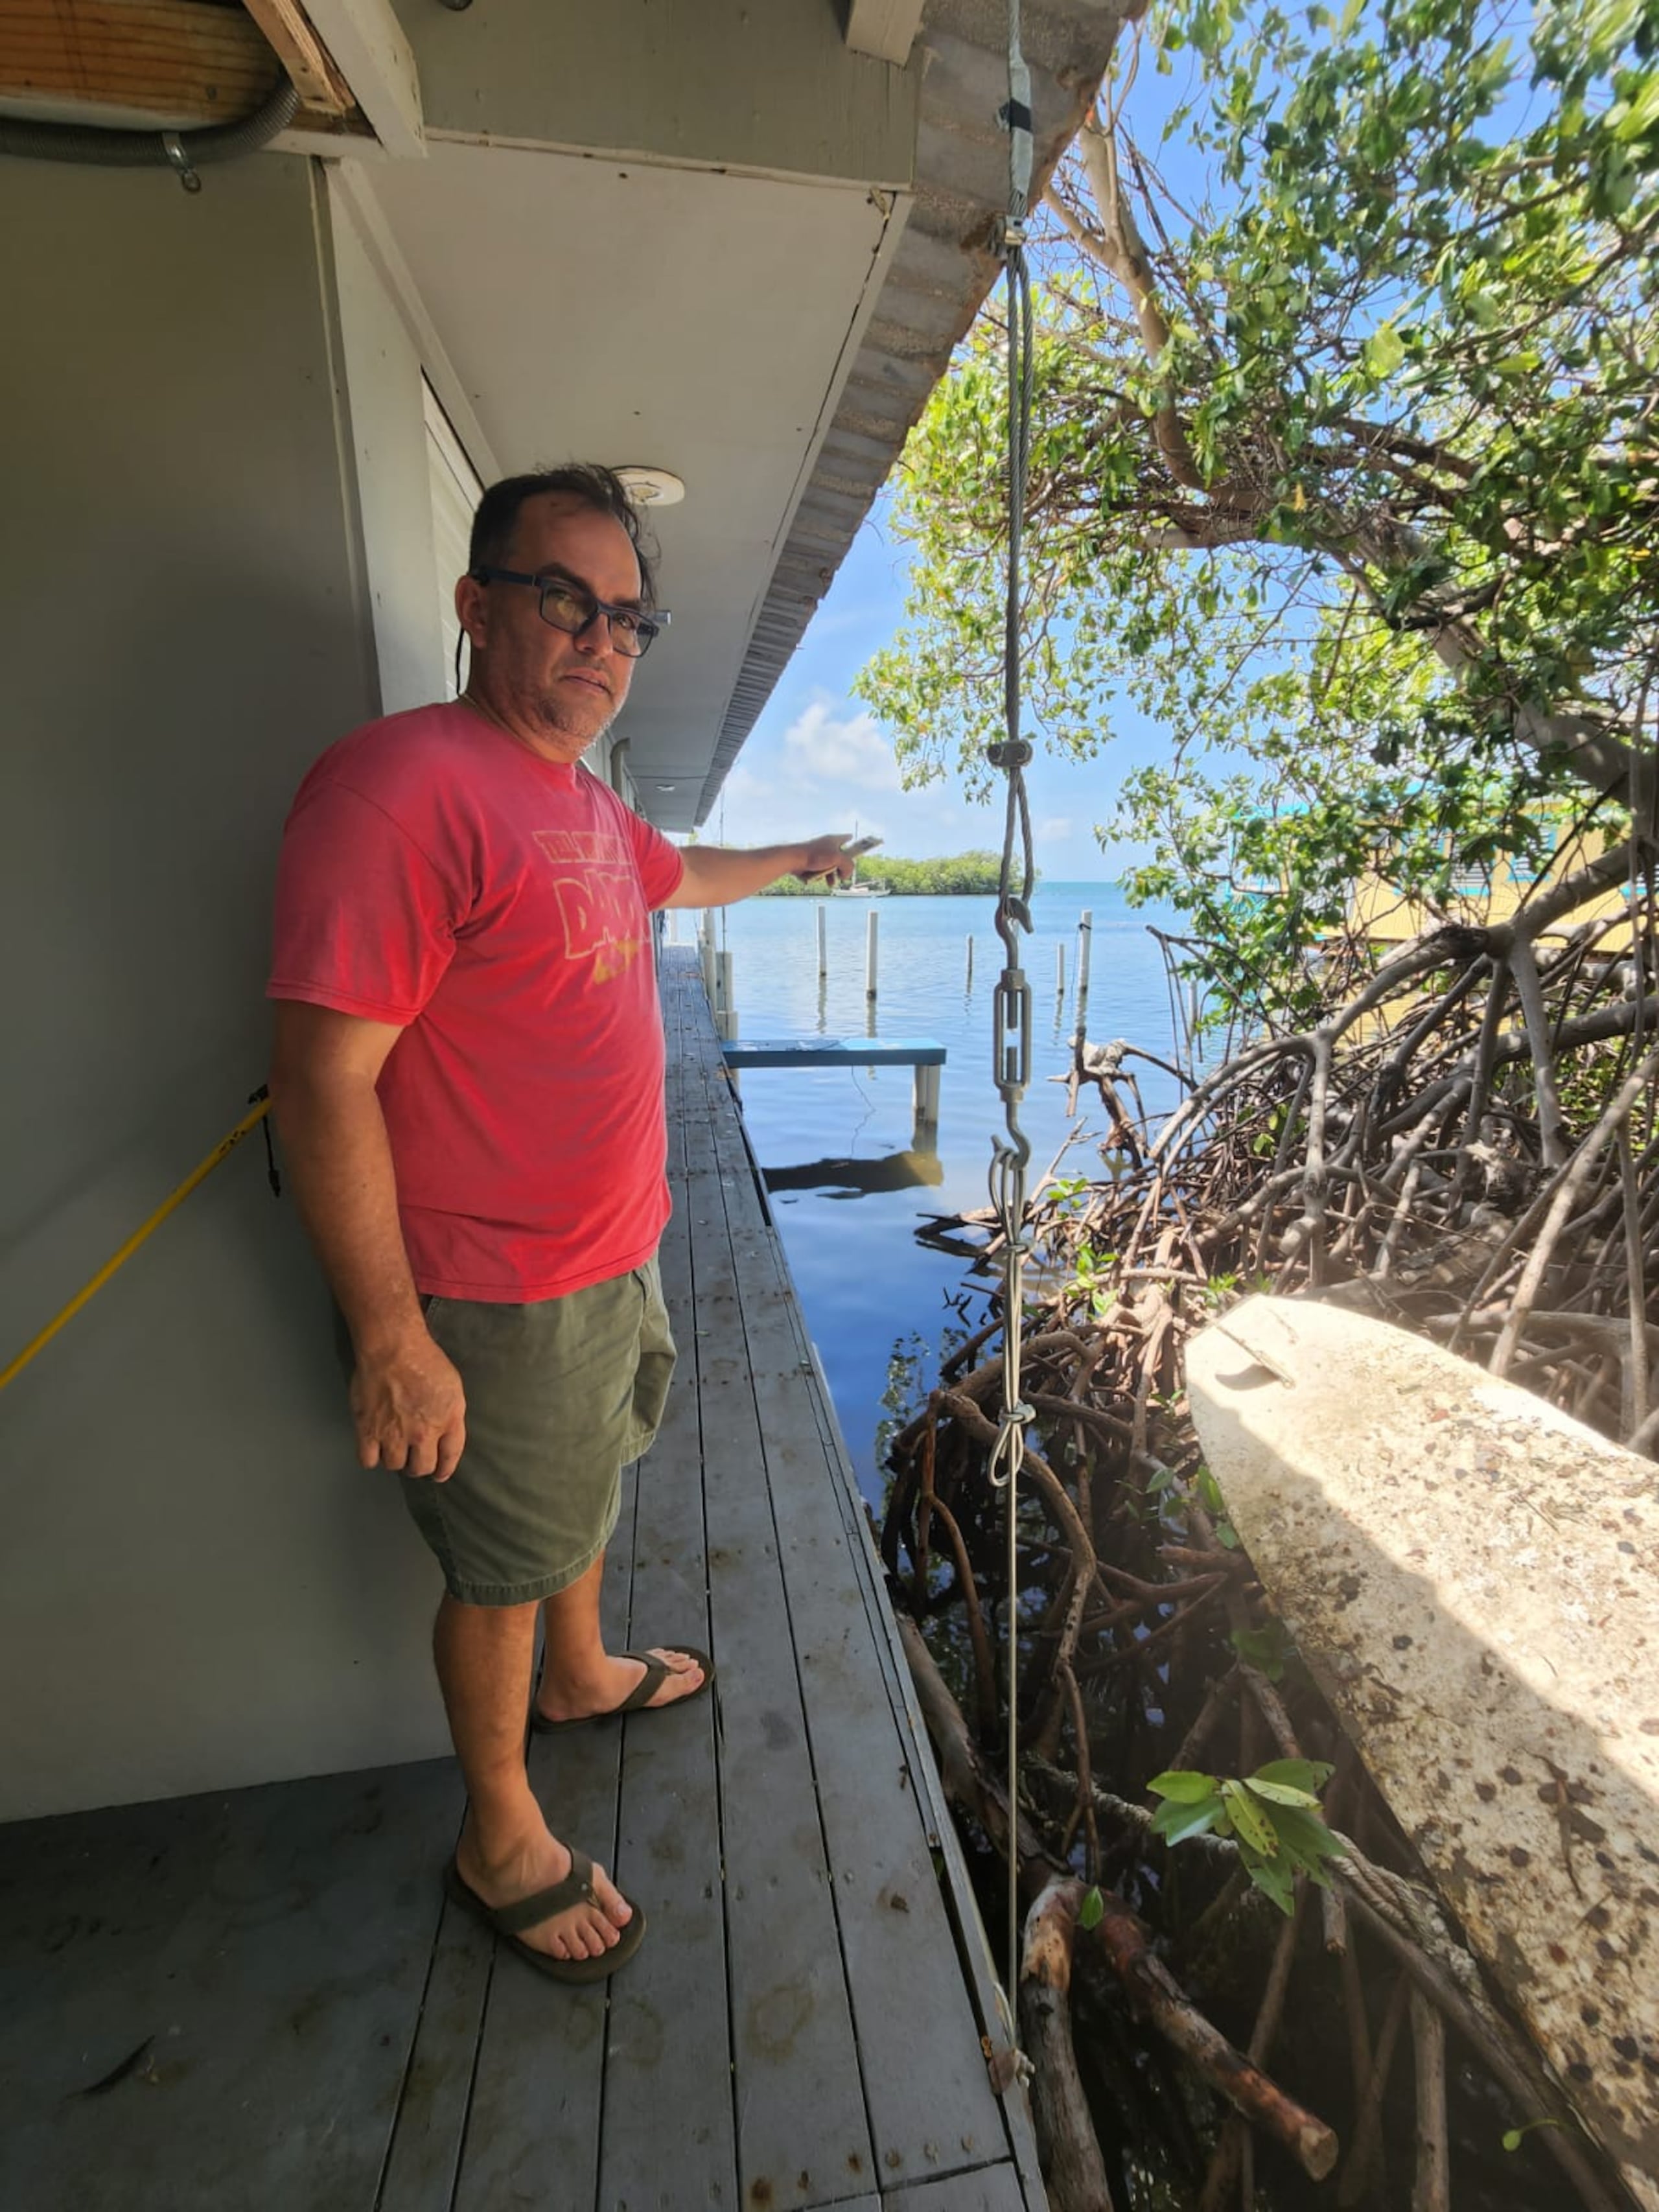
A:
[653, 487]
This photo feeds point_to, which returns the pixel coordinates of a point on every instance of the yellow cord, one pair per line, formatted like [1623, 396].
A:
[225, 1146]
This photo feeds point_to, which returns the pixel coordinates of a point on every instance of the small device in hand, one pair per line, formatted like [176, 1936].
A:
[852, 851]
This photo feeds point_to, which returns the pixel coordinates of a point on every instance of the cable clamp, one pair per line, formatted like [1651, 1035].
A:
[1006, 2063]
[1010, 753]
[174, 147]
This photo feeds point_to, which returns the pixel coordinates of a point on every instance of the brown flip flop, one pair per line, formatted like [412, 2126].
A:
[638, 1699]
[505, 1921]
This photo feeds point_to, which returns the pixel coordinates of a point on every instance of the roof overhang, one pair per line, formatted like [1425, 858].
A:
[938, 277]
[674, 318]
[720, 242]
[736, 242]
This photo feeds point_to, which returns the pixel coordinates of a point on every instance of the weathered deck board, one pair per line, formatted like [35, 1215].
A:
[993, 2189]
[791, 2019]
[425, 2152]
[533, 2127]
[668, 2036]
[273, 2065]
[900, 1952]
[790, 2033]
[902, 1961]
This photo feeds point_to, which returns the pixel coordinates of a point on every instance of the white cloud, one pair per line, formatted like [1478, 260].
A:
[743, 787]
[1055, 830]
[825, 747]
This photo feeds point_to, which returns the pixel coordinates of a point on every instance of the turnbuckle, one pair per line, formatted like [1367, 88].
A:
[1011, 1012]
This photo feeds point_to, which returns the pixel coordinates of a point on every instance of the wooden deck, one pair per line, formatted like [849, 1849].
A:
[259, 2000]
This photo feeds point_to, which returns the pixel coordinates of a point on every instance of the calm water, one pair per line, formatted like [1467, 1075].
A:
[847, 1190]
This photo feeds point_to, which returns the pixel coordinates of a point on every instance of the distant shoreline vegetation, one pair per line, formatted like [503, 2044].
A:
[962, 874]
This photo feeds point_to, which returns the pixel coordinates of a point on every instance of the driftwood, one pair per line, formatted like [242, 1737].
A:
[1432, 2190]
[1120, 1936]
[1464, 1141]
[1073, 2167]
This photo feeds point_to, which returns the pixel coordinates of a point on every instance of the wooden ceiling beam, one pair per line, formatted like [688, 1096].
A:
[367, 45]
[173, 61]
[310, 69]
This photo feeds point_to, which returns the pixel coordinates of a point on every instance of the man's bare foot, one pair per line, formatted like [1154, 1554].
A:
[581, 1931]
[614, 1681]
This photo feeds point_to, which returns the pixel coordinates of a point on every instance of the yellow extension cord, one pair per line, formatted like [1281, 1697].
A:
[225, 1146]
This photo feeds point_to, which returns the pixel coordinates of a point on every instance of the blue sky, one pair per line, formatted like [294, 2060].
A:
[818, 761]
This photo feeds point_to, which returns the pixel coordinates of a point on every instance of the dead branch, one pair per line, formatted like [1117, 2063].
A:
[1072, 2164]
[1465, 1141]
[1122, 1938]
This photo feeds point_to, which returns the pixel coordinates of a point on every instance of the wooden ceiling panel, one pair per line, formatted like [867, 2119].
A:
[178, 62]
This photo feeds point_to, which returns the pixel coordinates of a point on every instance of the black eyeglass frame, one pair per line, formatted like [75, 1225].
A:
[647, 626]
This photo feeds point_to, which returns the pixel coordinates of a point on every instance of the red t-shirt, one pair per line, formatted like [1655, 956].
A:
[436, 873]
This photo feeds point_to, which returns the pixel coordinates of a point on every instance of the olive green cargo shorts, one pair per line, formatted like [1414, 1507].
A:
[559, 1395]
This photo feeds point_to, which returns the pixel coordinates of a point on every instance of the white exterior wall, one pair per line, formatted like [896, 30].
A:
[386, 410]
[197, 1586]
[218, 558]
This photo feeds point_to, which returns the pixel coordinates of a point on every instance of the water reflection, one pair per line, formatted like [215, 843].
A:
[849, 1178]
[864, 1274]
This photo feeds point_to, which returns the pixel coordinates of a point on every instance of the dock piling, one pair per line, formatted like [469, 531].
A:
[706, 953]
[924, 1109]
[870, 920]
[824, 953]
[725, 1013]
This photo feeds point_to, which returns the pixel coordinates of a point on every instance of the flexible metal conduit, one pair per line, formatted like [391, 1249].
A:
[182, 151]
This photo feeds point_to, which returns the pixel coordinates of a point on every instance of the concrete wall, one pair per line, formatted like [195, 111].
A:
[197, 1586]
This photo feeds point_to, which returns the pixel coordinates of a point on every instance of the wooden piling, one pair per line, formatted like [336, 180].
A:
[706, 953]
[924, 1108]
[726, 1012]
[869, 920]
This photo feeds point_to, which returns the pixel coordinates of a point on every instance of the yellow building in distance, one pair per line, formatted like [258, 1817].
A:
[1384, 915]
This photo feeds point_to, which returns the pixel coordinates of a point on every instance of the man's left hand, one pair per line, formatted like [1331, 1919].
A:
[826, 856]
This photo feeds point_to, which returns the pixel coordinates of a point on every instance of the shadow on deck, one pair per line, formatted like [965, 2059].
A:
[258, 2000]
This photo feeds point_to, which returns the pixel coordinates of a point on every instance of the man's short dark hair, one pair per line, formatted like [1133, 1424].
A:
[585, 482]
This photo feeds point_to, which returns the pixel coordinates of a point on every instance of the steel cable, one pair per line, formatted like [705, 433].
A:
[1012, 1004]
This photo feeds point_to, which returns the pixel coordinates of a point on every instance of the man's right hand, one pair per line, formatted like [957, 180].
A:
[409, 1409]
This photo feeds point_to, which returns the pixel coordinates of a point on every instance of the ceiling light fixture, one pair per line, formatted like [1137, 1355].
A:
[652, 487]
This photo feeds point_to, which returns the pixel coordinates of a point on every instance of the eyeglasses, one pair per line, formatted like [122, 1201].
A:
[569, 606]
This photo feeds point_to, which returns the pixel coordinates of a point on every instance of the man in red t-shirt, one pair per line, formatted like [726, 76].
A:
[467, 1074]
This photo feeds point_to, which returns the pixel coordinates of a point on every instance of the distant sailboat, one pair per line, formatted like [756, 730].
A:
[855, 889]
